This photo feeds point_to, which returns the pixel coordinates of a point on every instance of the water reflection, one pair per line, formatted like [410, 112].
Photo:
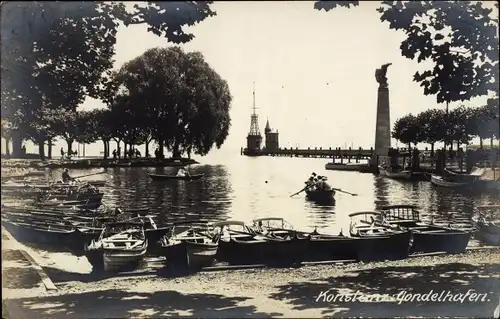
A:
[248, 188]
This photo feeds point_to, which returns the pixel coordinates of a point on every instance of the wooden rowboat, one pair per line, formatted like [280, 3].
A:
[326, 196]
[161, 177]
[440, 181]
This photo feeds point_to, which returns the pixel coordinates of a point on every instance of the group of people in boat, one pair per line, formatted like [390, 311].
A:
[317, 183]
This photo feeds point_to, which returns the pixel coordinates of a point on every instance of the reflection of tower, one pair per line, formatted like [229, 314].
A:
[272, 139]
[254, 139]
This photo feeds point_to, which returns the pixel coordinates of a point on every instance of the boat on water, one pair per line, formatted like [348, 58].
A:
[377, 242]
[120, 246]
[321, 196]
[357, 167]
[162, 177]
[444, 182]
[57, 185]
[426, 237]
[189, 245]
[396, 173]
[284, 243]
[488, 223]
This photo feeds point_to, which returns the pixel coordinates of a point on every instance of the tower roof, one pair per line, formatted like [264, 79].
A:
[268, 127]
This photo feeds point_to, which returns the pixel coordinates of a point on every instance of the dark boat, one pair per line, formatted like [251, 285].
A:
[189, 246]
[285, 244]
[426, 237]
[239, 243]
[152, 231]
[120, 246]
[488, 223]
[161, 177]
[331, 247]
[377, 242]
[325, 196]
[53, 235]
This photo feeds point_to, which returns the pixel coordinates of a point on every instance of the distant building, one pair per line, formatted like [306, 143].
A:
[272, 139]
[254, 139]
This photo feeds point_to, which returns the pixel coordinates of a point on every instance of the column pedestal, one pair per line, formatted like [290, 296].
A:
[383, 125]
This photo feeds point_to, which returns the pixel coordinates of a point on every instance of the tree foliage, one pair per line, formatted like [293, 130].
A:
[174, 96]
[408, 130]
[459, 37]
[459, 126]
[56, 53]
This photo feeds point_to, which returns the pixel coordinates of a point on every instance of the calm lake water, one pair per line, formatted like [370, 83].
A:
[236, 188]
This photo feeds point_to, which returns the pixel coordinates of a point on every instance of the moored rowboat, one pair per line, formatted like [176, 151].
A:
[161, 177]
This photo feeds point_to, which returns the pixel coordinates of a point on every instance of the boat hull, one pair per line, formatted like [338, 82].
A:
[115, 260]
[403, 175]
[159, 177]
[321, 196]
[190, 255]
[39, 235]
[441, 182]
[489, 234]
[383, 247]
[452, 242]
[331, 248]
[250, 250]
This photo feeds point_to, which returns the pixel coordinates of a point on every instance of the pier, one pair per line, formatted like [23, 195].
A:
[335, 153]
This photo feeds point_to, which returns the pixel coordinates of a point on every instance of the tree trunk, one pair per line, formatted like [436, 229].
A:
[7, 146]
[17, 144]
[49, 148]
[70, 145]
[491, 143]
[480, 142]
[160, 148]
[432, 150]
[176, 150]
[105, 149]
[125, 150]
[41, 149]
[147, 149]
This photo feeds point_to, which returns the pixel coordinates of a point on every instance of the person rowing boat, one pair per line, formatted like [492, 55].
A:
[183, 172]
[66, 178]
[317, 183]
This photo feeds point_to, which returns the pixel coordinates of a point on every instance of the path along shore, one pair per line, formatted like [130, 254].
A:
[83, 163]
[383, 289]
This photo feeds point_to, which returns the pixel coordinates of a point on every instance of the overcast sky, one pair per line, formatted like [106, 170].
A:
[314, 70]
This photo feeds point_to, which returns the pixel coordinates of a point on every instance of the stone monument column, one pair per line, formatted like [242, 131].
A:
[383, 125]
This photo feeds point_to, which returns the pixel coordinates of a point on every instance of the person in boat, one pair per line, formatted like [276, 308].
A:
[182, 172]
[66, 178]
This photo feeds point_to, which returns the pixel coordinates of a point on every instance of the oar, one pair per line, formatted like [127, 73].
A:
[300, 191]
[88, 175]
[342, 191]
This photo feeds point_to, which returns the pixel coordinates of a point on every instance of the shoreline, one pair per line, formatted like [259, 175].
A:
[88, 163]
[310, 291]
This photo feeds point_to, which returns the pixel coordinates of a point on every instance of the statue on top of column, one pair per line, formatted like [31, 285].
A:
[380, 75]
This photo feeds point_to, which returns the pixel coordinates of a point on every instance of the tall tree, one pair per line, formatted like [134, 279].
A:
[181, 99]
[459, 37]
[432, 124]
[407, 130]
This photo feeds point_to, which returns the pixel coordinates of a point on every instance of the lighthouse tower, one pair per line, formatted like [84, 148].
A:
[254, 139]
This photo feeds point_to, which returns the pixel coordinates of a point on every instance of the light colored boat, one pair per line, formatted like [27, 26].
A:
[440, 181]
[356, 167]
[488, 223]
[121, 245]
[397, 174]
